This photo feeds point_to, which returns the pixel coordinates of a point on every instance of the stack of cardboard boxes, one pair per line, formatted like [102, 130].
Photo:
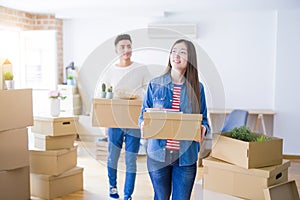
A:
[246, 169]
[53, 161]
[15, 117]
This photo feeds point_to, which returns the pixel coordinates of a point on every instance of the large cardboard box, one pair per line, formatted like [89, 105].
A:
[14, 184]
[171, 125]
[247, 154]
[55, 126]
[287, 191]
[45, 142]
[223, 177]
[14, 149]
[116, 113]
[53, 162]
[15, 109]
[50, 187]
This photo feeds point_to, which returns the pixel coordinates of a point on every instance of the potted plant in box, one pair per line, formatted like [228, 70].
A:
[70, 80]
[8, 78]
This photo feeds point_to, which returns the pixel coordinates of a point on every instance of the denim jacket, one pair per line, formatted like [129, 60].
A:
[160, 94]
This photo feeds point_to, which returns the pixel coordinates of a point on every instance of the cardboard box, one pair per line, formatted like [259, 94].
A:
[50, 187]
[53, 162]
[45, 142]
[116, 113]
[287, 190]
[55, 126]
[171, 125]
[247, 154]
[223, 177]
[14, 184]
[14, 149]
[16, 109]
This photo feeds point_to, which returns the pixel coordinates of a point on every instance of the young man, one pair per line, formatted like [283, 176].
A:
[127, 77]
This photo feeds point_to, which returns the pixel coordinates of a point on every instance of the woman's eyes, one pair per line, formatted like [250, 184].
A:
[183, 53]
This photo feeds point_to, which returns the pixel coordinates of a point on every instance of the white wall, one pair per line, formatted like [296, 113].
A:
[287, 85]
[241, 44]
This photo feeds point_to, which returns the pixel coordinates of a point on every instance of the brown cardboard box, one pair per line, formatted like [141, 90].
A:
[45, 142]
[168, 125]
[14, 184]
[54, 126]
[15, 109]
[223, 177]
[287, 191]
[50, 187]
[116, 113]
[14, 149]
[247, 154]
[53, 162]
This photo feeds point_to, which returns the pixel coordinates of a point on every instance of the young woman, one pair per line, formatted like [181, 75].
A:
[172, 164]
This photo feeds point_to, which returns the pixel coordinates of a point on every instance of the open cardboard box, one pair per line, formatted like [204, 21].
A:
[116, 113]
[247, 154]
[287, 191]
[172, 125]
[223, 177]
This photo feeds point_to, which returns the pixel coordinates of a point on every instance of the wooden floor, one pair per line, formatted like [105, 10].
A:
[96, 180]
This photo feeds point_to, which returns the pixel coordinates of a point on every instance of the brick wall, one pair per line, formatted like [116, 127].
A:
[16, 19]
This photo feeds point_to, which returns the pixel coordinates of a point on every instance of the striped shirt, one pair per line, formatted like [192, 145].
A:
[175, 144]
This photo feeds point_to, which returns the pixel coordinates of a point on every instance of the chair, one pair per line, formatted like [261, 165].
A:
[235, 119]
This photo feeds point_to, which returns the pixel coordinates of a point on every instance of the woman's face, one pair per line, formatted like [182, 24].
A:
[179, 57]
[124, 49]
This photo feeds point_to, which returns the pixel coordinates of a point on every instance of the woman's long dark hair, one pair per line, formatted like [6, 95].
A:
[191, 74]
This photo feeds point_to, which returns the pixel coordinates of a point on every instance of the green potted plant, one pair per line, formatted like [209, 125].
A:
[70, 80]
[8, 78]
[245, 134]
[109, 94]
[103, 91]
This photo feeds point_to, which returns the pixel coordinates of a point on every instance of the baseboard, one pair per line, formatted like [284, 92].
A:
[291, 157]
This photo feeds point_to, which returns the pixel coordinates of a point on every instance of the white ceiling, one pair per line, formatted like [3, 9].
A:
[140, 8]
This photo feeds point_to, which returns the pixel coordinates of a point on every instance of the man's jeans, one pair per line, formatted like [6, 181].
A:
[116, 137]
[168, 177]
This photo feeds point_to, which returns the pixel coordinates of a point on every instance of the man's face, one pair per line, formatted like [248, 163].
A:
[124, 49]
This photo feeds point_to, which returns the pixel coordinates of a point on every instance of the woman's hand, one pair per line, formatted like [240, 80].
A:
[142, 130]
[203, 131]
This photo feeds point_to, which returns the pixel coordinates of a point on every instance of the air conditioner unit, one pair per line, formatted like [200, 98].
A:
[156, 30]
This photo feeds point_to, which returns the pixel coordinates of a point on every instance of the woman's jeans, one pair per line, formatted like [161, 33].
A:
[169, 178]
[116, 136]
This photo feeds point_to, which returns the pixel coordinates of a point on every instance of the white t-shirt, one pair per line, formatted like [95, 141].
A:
[132, 79]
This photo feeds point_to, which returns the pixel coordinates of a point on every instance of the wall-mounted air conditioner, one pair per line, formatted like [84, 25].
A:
[157, 30]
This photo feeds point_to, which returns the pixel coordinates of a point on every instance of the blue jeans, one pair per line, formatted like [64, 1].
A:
[116, 137]
[169, 178]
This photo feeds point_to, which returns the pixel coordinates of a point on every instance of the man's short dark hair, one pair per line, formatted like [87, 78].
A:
[122, 37]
